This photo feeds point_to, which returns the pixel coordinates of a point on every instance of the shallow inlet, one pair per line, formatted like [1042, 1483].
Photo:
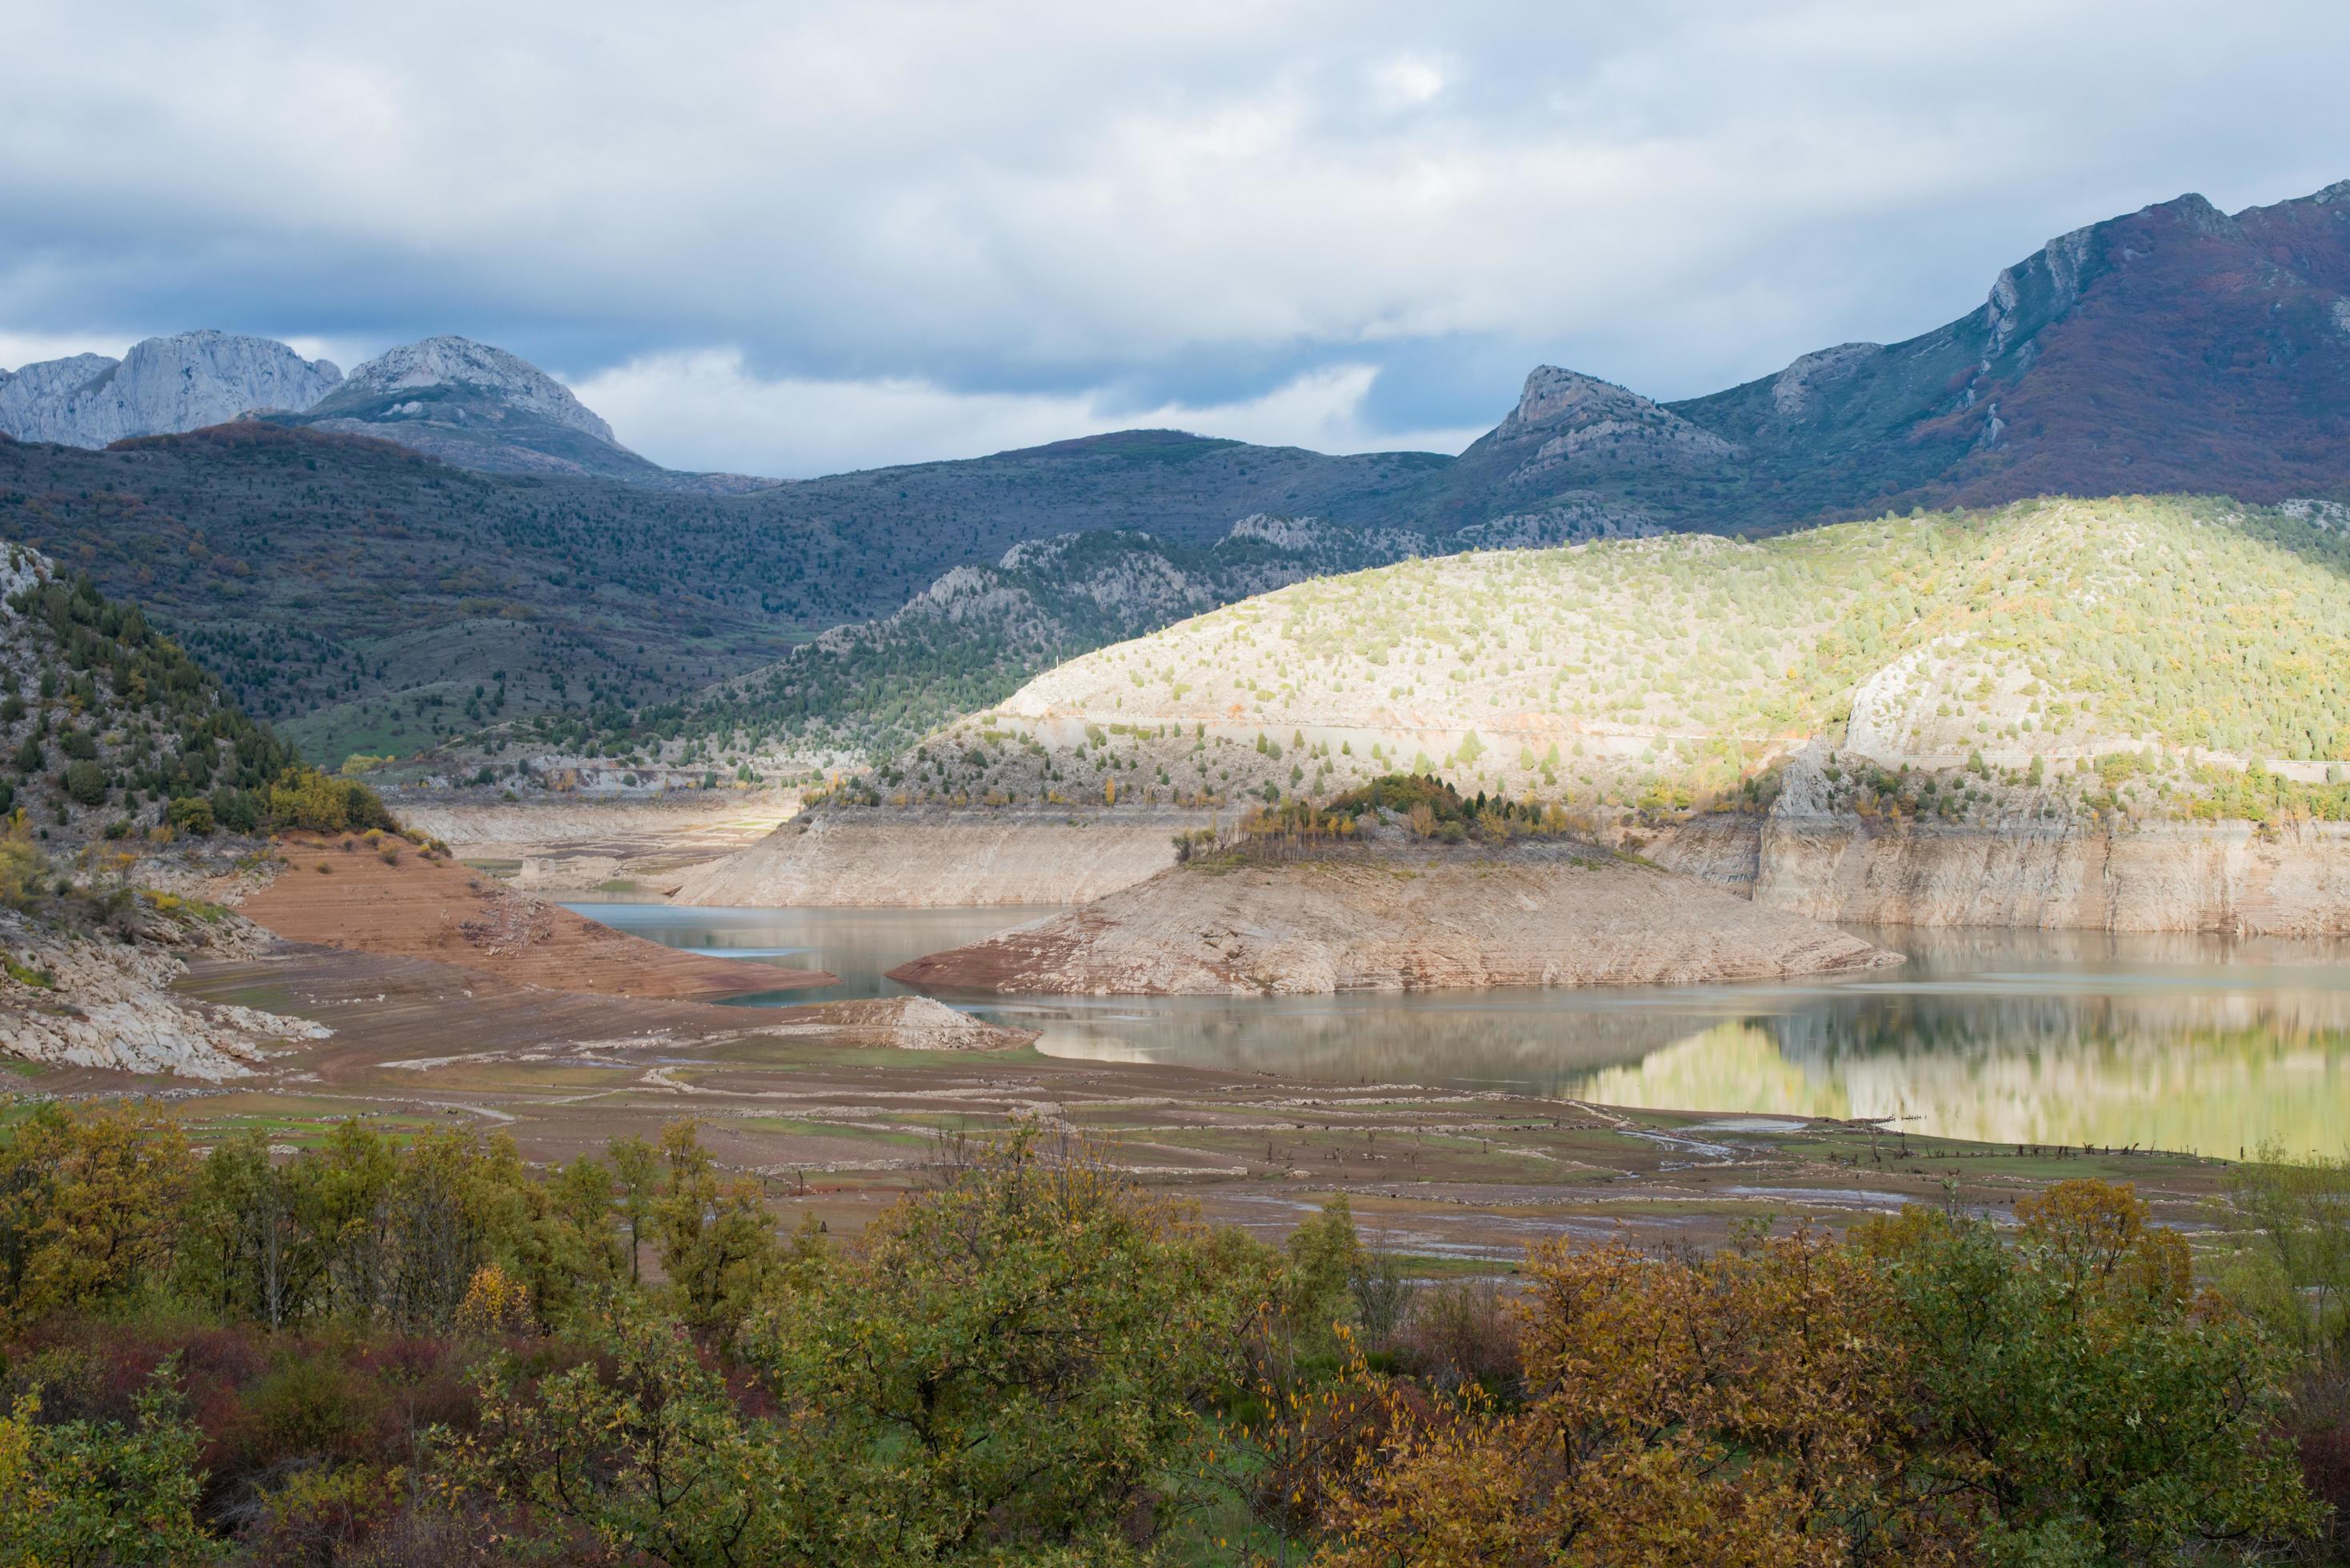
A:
[2033, 1037]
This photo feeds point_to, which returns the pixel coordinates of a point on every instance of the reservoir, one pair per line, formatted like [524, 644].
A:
[2191, 1042]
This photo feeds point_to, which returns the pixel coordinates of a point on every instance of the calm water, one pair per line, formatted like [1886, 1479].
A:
[2032, 1036]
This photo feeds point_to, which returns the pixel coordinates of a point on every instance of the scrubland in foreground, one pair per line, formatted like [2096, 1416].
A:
[381, 1351]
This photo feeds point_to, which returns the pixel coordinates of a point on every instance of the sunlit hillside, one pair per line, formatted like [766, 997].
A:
[2180, 637]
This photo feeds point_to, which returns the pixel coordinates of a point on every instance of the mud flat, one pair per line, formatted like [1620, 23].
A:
[922, 858]
[575, 844]
[412, 907]
[2230, 878]
[824, 1106]
[1397, 917]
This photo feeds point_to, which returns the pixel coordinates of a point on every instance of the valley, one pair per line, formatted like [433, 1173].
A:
[1025, 786]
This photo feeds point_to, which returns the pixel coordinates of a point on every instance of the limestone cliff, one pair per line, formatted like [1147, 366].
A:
[2071, 873]
[164, 385]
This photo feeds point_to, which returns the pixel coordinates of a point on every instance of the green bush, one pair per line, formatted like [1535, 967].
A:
[192, 813]
[86, 782]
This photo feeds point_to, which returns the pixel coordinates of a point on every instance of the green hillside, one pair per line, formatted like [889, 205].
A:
[2057, 632]
[109, 730]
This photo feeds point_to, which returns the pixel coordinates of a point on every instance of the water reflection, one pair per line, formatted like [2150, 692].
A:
[2009, 1036]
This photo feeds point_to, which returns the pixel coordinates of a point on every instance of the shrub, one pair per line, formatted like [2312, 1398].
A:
[85, 1491]
[306, 798]
[86, 782]
[192, 813]
[1930, 1394]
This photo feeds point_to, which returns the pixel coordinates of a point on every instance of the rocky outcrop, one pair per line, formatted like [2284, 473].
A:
[1571, 420]
[162, 385]
[924, 859]
[439, 366]
[2233, 877]
[895, 1023]
[1399, 918]
[82, 999]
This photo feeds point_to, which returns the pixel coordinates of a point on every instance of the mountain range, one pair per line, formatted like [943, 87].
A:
[466, 402]
[2176, 348]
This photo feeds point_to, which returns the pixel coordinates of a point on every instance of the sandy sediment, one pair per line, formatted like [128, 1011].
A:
[571, 842]
[937, 858]
[1397, 917]
[417, 908]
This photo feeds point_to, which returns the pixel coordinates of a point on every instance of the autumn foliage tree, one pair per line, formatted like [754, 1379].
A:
[1931, 1394]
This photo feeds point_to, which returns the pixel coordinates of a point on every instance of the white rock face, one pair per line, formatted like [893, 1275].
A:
[1797, 386]
[105, 1003]
[164, 385]
[461, 362]
[1580, 418]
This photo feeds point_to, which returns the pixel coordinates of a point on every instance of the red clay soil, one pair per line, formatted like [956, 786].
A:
[417, 908]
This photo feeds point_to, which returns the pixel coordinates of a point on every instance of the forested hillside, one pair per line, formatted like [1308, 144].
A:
[2181, 632]
[372, 600]
[109, 727]
[860, 693]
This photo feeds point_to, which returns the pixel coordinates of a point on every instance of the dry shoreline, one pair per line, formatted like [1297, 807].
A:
[1400, 916]
[397, 902]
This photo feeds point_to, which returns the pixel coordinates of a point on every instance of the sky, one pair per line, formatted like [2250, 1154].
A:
[798, 238]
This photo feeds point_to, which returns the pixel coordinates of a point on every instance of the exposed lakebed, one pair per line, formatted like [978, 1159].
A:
[2039, 1037]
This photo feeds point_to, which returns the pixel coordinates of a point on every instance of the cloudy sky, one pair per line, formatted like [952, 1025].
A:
[792, 238]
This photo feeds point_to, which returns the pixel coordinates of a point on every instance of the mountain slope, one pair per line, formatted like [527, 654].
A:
[359, 593]
[2176, 348]
[862, 692]
[161, 385]
[103, 719]
[483, 407]
[2175, 633]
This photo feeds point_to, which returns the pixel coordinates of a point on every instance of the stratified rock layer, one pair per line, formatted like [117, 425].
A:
[2234, 878]
[938, 859]
[1393, 918]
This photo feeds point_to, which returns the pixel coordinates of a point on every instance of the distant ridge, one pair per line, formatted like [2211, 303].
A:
[163, 384]
[2175, 349]
[464, 402]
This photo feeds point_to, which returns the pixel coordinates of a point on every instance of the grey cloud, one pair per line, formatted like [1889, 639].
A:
[1124, 207]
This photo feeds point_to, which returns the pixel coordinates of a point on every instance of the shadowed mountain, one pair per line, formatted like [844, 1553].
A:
[482, 408]
[2175, 349]
[369, 599]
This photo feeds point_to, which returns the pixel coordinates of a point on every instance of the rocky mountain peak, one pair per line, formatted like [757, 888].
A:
[1578, 423]
[463, 364]
[162, 385]
[1554, 395]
